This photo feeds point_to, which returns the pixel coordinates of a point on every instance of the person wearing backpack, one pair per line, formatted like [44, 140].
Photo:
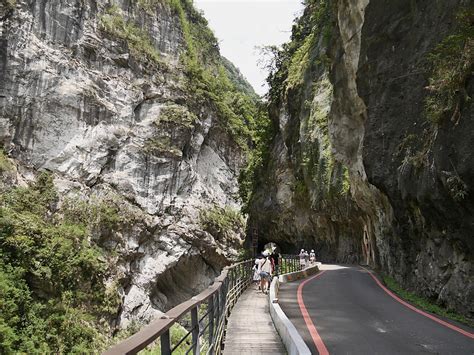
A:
[265, 270]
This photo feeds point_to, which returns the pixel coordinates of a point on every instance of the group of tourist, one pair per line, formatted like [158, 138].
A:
[307, 259]
[266, 266]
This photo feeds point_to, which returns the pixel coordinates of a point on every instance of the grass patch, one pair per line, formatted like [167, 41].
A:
[424, 303]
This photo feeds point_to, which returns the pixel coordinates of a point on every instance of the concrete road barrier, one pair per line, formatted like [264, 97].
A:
[293, 341]
[298, 275]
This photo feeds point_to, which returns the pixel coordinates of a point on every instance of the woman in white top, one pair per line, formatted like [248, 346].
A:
[265, 272]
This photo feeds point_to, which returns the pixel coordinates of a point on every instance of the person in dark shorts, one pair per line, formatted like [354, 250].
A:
[265, 270]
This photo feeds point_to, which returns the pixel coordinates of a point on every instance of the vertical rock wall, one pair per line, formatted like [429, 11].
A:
[409, 210]
[96, 93]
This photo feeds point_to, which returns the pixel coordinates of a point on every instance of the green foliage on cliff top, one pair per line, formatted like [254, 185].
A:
[52, 289]
[452, 64]
[138, 40]
[424, 303]
[288, 64]
[239, 81]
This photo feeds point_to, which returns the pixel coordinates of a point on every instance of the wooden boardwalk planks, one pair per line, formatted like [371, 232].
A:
[250, 329]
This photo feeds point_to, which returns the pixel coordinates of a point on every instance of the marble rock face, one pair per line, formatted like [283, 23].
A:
[360, 107]
[76, 102]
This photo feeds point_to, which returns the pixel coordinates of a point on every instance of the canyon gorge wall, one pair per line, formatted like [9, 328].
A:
[371, 158]
[130, 109]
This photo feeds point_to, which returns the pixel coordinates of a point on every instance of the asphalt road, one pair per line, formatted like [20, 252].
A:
[352, 314]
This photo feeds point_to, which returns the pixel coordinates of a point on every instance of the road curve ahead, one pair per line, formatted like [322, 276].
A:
[343, 310]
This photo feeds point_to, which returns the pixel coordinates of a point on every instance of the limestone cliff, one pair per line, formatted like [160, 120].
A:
[129, 104]
[372, 158]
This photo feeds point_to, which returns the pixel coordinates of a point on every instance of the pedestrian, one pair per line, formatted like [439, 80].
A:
[275, 261]
[306, 258]
[256, 273]
[302, 259]
[312, 257]
[265, 270]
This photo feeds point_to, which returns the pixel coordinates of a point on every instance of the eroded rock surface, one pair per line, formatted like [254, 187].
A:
[97, 94]
[357, 170]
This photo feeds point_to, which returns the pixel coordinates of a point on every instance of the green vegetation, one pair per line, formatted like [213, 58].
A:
[150, 6]
[288, 64]
[320, 173]
[452, 64]
[287, 266]
[299, 63]
[176, 114]
[96, 213]
[219, 221]
[244, 254]
[298, 76]
[209, 83]
[456, 187]
[5, 164]
[11, 4]
[177, 332]
[53, 296]
[162, 146]
[424, 303]
[251, 177]
[138, 40]
[239, 81]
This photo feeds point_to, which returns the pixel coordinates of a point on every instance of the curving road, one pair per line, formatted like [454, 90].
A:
[343, 310]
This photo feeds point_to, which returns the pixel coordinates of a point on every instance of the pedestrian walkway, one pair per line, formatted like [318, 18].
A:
[250, 329]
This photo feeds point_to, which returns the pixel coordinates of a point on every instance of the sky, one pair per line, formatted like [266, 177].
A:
[243, 25]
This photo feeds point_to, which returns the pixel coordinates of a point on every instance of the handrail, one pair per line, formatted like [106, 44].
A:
[208, 331]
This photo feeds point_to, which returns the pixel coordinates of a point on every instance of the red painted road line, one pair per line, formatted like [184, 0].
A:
[309, 323]
[413, 308]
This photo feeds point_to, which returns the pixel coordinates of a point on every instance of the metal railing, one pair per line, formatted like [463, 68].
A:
[198, 325]
[289, 263]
